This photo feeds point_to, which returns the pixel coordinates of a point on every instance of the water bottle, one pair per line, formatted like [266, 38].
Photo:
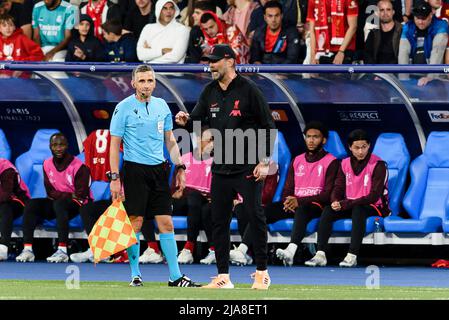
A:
[377, 227]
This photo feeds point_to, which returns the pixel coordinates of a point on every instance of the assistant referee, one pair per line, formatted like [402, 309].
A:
[144, 123]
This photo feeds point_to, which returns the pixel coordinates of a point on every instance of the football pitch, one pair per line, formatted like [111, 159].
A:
[103, 290]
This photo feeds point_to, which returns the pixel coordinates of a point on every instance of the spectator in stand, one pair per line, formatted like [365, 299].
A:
[21, 12]
[257, 18]
[441, 10]
[295, 13]
[14, 195]
[196, 37]
[100, 11]
[118, 47]
[67, 182]
[308, 187]
[166, 40]
[138, 17]
[84, 46]
[239, 14]
[14, 45]
[332, 30]
[360, 191]
[190, 15]
[382, 45]
[273, 43]
[368, 19]
[423, 40]
[52, 23]
[215, 31]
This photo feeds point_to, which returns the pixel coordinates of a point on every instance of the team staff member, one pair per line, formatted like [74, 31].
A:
[145, 123]
[360, 191]
[232, 102]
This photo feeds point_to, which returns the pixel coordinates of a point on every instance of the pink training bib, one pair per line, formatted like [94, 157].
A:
[310, 176]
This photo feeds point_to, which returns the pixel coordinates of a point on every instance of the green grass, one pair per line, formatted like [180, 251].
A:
[49, 290]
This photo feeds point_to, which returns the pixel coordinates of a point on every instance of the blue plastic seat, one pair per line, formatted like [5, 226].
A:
[30, 165]
[426, 200]
[334, 146]
[392, 149]
[5, 150]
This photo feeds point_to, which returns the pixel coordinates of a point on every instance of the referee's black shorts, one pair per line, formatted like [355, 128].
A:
[147, 191]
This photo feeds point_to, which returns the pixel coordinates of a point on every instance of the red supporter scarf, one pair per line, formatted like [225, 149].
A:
[227, 34]
[220, 37]
[337, 18]
[95, 12]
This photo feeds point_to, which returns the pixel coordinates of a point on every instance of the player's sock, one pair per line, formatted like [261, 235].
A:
[168, 245]
[133, 255]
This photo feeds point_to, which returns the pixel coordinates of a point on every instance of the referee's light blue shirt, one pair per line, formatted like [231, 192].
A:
[142, 129]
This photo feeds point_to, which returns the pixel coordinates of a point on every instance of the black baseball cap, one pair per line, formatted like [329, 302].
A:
[422, 9]
[220, 51]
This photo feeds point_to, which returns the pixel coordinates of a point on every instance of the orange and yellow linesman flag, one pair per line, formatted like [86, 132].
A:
[111, 233]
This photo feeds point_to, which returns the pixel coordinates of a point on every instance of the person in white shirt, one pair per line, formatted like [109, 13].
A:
[166, 40]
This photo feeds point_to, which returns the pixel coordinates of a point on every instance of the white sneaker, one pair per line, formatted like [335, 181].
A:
[3, 252]
[210, 258]
[185, 257]
[349, 261]
[318, 260]
[150, 256]
[239, 258]
[286, 256]
[26, 255]
[222, 281]
[81, 257]
[58, 256]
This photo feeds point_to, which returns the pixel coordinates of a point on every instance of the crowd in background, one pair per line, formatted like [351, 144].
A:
[267, 32]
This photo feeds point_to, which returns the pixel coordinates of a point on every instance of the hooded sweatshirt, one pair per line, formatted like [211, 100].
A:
[18, 47]
[91, 46]
[174, 35]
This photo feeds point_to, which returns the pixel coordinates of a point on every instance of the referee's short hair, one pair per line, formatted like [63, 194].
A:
[142, 68]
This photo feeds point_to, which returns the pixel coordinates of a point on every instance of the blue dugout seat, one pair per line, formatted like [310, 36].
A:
[5, 150]
[30, 165]
[426, 200]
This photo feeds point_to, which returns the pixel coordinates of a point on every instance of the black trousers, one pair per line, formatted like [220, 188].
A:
[179, 208]
[63, 210]
[198, 216]
[223, 192]
[9, 211]
[275, 212]
[91, 211]
[358, 214]
[198, 211]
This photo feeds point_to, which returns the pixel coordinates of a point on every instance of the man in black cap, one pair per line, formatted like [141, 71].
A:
[238, 114]
[423, 40]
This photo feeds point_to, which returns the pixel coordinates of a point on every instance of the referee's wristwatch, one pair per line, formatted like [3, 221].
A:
[265, 161]
[180, 166]
[112, 176]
